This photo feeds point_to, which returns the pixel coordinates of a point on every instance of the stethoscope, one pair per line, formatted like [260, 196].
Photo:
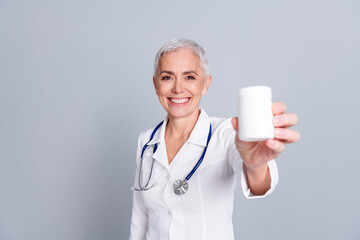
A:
[180, 186]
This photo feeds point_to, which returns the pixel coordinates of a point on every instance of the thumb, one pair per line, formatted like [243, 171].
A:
[240, 145]
[234, 122]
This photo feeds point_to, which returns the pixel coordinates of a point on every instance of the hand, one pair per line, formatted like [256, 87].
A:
[255, 154]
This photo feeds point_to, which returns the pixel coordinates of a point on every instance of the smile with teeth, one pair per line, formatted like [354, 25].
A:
[179, 100]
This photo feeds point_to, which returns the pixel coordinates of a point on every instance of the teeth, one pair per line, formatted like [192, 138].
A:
[179, 100]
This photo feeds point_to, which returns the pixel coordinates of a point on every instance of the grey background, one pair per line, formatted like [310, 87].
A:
[76, 90]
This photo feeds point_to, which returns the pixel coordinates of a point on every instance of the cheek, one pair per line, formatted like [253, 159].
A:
[161, 89]
[199, 89]
[163, 92]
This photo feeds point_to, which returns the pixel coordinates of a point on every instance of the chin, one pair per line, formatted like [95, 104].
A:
[181, 113]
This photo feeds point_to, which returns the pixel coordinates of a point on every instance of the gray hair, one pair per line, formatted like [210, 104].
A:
[176, 44]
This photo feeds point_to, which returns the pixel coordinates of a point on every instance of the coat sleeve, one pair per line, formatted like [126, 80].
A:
[139, 217]
[236, 164]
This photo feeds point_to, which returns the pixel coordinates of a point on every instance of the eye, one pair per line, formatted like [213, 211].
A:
[190, 77]
[166, 77]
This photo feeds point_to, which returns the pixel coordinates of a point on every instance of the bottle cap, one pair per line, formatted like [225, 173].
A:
[255, 91]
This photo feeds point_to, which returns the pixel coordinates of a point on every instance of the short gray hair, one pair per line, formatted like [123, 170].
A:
[177, 44]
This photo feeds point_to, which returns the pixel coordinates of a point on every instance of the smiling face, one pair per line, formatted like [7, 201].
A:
[179, 83]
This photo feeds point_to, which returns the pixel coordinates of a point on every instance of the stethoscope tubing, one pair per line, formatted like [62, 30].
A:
[144, 188]
[187, 178]
[201, 158]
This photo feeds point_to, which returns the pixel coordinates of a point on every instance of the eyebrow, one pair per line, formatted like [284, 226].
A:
[168, 72]
[184, 73]
[188, 72]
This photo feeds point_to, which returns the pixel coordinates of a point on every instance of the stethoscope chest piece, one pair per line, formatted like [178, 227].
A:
[180, 187]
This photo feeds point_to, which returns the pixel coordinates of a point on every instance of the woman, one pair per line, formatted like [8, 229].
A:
[164, 205]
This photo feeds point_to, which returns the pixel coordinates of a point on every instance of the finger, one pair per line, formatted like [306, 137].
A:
[287, 135]
[285, 120]
[276, 146]
[234, 122]
[278, 108]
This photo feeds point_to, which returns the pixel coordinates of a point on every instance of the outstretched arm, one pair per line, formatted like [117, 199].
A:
[256, 155]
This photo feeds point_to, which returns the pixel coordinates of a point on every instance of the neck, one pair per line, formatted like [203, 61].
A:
[180, 128]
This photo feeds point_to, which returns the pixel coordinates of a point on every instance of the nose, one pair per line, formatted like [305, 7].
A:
[178, 86]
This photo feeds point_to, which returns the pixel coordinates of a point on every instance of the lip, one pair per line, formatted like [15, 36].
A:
[179, 103]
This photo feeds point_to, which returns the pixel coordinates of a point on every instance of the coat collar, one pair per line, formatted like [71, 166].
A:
[198, 135]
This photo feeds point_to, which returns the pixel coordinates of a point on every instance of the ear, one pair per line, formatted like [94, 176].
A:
[154, 82]
[208, 80]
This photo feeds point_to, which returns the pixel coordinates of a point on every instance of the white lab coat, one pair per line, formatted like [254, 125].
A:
[205, 211]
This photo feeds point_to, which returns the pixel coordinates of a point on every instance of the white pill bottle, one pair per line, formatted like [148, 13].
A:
[255, 113]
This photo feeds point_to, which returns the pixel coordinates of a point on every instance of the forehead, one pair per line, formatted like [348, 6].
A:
[181, 58]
